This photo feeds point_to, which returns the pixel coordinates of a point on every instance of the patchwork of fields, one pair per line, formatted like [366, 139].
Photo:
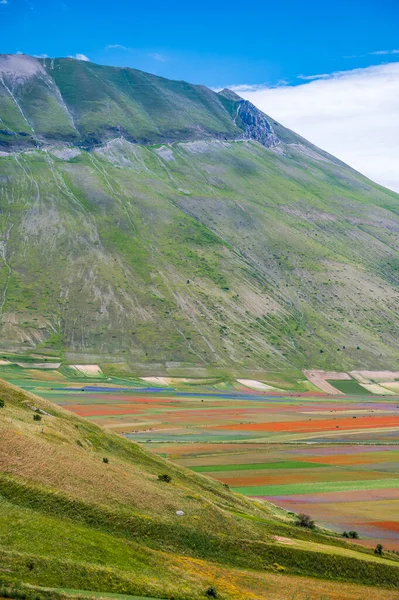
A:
[335, 458]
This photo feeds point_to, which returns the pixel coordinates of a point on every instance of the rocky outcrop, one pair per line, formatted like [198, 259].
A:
[256, 125]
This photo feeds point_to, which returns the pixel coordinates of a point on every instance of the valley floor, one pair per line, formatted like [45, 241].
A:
[333, 457]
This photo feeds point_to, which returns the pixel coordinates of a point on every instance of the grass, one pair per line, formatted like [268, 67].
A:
[350, 387]
[102, 595]
[319, 487]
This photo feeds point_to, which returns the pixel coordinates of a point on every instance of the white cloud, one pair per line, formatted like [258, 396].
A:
[351, 114]
[158, 57]
[3, 1]
[383, 52]
[312, 77]
[115, 47]
[40, 55]
[375, 53]
[80, 57]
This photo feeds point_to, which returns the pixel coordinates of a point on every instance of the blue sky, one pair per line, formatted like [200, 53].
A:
[214, 42]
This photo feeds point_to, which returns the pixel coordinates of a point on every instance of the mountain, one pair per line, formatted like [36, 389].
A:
[160, 223]
[82, 509]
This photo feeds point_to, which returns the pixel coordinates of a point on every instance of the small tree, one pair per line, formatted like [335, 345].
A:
[105, 460]
[37, 417]
[353, 534]
[165, 477]
[305, 521]
[379, 549]
[211, 592]
[1, 403]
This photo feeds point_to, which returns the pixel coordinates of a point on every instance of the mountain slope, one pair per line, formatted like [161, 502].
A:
[70, 520]
[68, 100]
[231, 243]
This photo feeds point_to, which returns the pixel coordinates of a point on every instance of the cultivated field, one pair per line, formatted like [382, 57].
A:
[333, 457]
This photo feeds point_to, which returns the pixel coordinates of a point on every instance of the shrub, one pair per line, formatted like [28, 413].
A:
[379, 549]
[1, 403]
[165, 477]
[305, 521]
[211, 592]
[37, 417]
[105, 460]
[353, 534]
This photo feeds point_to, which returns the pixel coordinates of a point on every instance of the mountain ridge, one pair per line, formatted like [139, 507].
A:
[18, 70]
[202, 251]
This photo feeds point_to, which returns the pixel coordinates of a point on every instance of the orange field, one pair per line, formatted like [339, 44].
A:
[389, 525]
[345, 460]
[318, 425]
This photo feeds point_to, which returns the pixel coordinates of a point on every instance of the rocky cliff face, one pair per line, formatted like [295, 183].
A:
[256, 125]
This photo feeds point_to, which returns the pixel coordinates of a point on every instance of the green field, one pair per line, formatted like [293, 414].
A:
[350, 387]
[315, 488]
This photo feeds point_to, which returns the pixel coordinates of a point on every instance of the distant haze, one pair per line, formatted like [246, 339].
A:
[351, 114]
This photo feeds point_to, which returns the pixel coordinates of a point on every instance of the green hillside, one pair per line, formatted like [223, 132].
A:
[159, 223]
[83, 103]
[83, 509]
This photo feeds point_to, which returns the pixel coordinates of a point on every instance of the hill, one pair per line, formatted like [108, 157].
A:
[83, 510]
[160, 223]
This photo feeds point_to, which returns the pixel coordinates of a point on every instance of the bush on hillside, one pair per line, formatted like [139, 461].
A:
[37, 417]
[1, 403]
[165, 477]
[379, 549]
[105, 460]
[211, 592]
[305, 521]
[351, 534]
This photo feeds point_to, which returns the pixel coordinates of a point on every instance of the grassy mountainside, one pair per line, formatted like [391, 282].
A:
[233, 243]
[69, 520]
[68, 100]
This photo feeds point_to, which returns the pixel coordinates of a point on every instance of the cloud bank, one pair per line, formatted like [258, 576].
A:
[80, 57]
[354, 115]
